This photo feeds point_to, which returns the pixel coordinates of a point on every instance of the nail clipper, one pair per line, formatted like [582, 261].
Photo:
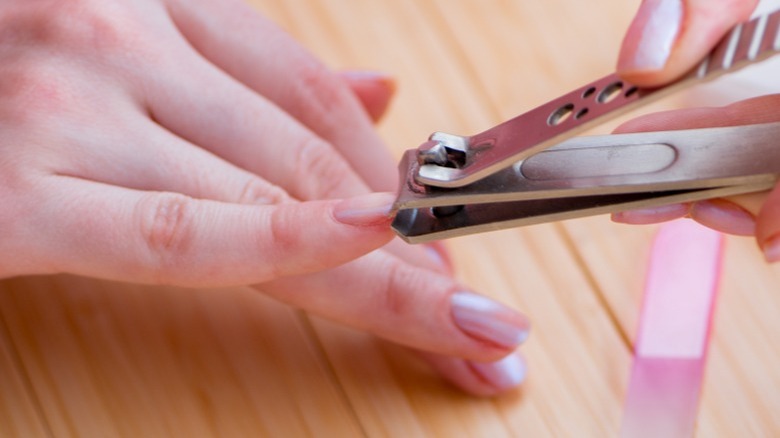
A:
[531, 170]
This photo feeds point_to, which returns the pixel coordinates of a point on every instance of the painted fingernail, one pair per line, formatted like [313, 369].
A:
[725, 217]
[651, 215]
[487, 320]
[771, 249]
[650, 39]
[503, 374]
[367, 210]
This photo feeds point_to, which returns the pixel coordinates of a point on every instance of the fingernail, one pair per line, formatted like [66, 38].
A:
[367, 210]
[487, 320]
[725, 217]
[771, 249]
[503, 374]
[652, 35]
[651, 215]
[369, 75]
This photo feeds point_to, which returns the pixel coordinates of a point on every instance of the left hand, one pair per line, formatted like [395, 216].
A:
[242, 140]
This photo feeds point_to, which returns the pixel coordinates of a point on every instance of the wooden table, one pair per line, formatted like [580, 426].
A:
[87, 358]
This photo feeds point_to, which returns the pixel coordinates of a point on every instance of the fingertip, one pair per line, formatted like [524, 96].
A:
[724, 216]
[487, 321]
[669, 37]
[502, 375]
[482, 379]
[374, 90]
[649, 41]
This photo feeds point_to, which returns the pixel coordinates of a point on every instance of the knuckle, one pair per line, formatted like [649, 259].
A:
[166, 227]
[322, 95]
[321, 172]
[93, 28]
[401, 278]
[37, 41]
[283, 241]
[259, 191]
[317, 85]
[29, 96]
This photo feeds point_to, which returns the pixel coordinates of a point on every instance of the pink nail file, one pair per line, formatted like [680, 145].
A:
[674, 331]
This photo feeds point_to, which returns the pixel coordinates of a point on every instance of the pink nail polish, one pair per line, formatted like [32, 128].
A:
[487, 320]
[367, 210]
[725, 217]
[771, 249]
[653, 35]
[651, 215]
[502, 374]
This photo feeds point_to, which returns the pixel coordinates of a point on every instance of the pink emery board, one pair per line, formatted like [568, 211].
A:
[674, 330]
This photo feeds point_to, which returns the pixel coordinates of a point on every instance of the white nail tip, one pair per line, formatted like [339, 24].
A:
[659, 34]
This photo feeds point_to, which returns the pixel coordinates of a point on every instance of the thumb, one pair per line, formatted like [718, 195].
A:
[668, 37]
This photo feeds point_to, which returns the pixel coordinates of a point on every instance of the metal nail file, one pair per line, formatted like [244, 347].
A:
[531, 170]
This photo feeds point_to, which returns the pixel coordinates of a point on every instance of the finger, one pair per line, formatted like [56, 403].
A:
[305, 166]
[284, 72]
[737, 214]
[156, 237]
[244, 128]
[668, 37]
[733, 215]
[252, 131]
[762, 109]
[484, 379]
[151, 158]
[381, 294]
[724, 216]
[374, 90]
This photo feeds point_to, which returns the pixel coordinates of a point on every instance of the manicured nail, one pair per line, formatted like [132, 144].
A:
[652, 35]
[487, 320]
[771, 249]
[367, 210]
[651, 215]
[503, 374]
[724, 216]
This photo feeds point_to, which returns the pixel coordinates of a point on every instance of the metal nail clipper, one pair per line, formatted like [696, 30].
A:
[530, 170]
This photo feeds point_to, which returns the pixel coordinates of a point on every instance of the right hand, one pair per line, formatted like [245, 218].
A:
[666, 39]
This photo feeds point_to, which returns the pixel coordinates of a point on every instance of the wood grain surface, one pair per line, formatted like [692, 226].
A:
[87, 358]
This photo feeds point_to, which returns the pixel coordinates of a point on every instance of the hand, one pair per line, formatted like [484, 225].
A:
[666, 39]
[191, 142]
